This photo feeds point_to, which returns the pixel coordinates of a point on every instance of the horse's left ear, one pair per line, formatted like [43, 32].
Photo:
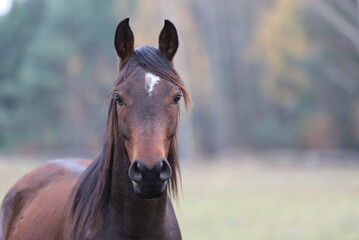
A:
[168, 40]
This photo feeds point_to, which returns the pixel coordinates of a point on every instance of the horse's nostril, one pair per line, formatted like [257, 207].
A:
[136, 166]
[164, 170]
[134, 172]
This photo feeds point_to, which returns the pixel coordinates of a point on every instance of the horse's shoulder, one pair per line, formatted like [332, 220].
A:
[52, 178]
[55, 170]
[51, 171]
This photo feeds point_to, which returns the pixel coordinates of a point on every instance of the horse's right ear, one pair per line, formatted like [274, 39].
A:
[124, 40]
[168, 40]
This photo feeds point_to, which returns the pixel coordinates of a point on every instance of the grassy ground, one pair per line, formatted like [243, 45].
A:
[250, 200]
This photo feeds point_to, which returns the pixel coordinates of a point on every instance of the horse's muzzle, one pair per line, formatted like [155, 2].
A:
[150, 182]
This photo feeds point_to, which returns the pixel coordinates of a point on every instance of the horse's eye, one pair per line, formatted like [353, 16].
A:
[118, 99]
[177, 98]
[171, 137]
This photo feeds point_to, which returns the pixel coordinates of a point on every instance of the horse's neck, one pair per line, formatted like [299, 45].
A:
[133, 215]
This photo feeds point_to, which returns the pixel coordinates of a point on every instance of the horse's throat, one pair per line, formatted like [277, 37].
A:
[137, 217]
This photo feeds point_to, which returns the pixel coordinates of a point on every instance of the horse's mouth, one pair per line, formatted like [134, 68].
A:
[149, 195]
[149, 192]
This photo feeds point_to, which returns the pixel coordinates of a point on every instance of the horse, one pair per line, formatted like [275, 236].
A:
[126, 192]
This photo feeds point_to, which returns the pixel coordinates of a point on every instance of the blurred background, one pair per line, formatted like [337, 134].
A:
[270, 148]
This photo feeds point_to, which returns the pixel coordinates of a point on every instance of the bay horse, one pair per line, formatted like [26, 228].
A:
[125, 192]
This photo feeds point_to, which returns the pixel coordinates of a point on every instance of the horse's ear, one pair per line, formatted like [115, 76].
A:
[168, 40]
[124, 39]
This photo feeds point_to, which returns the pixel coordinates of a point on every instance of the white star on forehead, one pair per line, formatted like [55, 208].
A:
[151, 80]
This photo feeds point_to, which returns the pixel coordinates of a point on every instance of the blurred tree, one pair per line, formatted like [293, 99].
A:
[16, 38]
[281, 44]
[280, 47]
[225, 28]
[63, 74]
[334, 64]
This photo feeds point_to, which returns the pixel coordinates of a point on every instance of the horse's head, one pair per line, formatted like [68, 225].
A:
[147, 95]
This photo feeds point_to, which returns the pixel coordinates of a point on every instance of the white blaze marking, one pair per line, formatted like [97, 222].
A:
[151, 80]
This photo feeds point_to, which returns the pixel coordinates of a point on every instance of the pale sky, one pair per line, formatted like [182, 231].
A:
[5, 6]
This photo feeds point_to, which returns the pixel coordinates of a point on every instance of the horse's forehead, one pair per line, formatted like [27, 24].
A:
[149, 85]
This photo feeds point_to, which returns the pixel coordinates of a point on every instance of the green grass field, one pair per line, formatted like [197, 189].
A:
[255, 201]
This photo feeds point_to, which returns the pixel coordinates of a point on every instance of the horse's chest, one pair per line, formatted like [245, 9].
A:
[157, 234]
